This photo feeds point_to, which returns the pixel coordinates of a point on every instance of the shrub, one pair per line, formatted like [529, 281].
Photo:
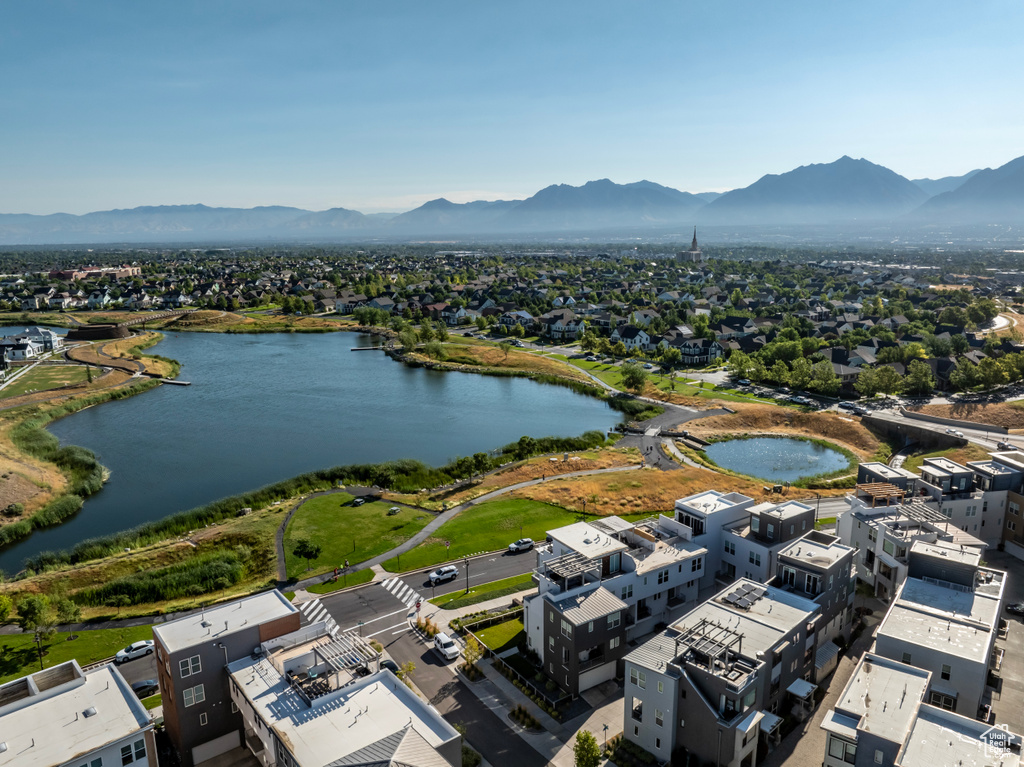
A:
[195, 576]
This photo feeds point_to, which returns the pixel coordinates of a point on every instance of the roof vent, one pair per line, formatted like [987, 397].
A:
[91, 711]
[3, 746]
[205, 624]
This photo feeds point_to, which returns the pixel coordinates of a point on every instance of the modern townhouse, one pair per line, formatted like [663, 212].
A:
[718, 681]
[945, 618]
[707, 515]
[66, 717]
[751, 544]
[881, 719]
[602, 584]
[191, 656]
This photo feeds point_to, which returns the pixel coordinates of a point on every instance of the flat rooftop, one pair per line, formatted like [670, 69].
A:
[940, 738]
[944, 464]
[991, 467]
[350, 719]
[781, 510]
[942, 618]
[947, 551]
[885, 470]
[223, 619]
[711, 501]
[882, 698]
[763, 624]
[587, 540]
[54, 728]
[816, 549]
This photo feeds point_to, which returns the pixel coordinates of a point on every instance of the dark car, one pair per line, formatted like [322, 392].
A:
[145, 688]
[390, 665]
[1017, 609]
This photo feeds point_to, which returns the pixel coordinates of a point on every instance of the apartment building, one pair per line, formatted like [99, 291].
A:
[750, 546]
[192, 653]
[945, 618]
[881, 719]
[304, 701]
[882, 537]
[67, 717]
[718, 680]
[707, 514]
[601, 584]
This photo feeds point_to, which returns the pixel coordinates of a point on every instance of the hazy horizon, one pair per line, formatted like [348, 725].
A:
[379, 108]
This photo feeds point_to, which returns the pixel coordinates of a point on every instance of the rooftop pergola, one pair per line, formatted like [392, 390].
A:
[879, 491]
[570, 565]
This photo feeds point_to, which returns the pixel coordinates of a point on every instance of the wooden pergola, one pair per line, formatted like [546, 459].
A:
[879, 491]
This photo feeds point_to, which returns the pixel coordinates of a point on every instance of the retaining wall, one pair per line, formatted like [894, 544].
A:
[953, 422]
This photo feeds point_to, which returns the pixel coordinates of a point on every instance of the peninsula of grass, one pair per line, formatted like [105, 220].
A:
[487, 527]
[484, 591]
[502, 636]
[19, 655]
[343, 531]
[357, 578]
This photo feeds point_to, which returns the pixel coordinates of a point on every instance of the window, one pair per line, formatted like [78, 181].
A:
[639, 678]
[614, 642]
[755, 524]
[789, 576]
[755, 558]
[906, 658]
[1011, 524]
[234, 707]
[879, 756]
[946, 671]
[792, 529]
[129, 754]
[663, 577]
[771, 531]
[888, 547]
[190, 666]
[202, 719]
[551, 644]
[590, 627]
[659, 718]
[627, 591]
[638, 709]
[730, 547]
[812, 584]
[614, 620]
[661, 687]
[657, 742]
[636, 730]
[194, 695]
[943, 701]
[840, 749]
[566, 629]
[696, 564]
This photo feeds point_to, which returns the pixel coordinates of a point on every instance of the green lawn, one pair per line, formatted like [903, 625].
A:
[18, 654]
[153, 701]
[487, 527]
[343, 582]
[355, 533]
[46, 377]
[502, 636]
[484, 591]
[967, 453]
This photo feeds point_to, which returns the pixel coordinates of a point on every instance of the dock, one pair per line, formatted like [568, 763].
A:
[175, 382]
[367, 349]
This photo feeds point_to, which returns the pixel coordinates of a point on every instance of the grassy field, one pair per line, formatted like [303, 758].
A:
[961, 455]
[18, 654]
[484, 591]
[343, 582]
[463, 351]
[489, 526]
[45, 377]
[502, 636]
[355, 533]
[153, 701]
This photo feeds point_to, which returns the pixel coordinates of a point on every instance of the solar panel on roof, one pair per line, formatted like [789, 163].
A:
[744, 602]
[746, 588]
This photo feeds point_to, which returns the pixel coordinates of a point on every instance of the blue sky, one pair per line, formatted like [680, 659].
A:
[384, 105]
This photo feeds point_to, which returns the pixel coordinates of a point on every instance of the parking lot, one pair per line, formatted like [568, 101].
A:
[1008, 700]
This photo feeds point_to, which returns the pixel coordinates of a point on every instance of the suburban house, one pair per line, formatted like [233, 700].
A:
[881, 719]
[699, 351]
[191, 656]
[560, 324]
[632, 337]
[945, 618]
[69, 717]
[511, 319]
[100, 299]
[719, 680]
[305, 700]
[600, 585]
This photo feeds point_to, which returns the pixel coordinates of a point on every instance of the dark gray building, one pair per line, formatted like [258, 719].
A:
[192, 654]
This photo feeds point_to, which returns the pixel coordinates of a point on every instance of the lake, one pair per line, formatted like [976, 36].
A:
[263, 408]
[775, 458]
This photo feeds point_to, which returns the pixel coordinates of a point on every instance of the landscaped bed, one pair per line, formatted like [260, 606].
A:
[502, 636]
[483, 592]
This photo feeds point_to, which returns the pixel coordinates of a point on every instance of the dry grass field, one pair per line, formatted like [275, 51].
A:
[1008, 414]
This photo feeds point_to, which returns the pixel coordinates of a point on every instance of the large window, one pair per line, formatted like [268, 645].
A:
[663, 577]
[730, 547]
[639, 678]
[840, 749]
[943, 701]
[194, 695]
[696, 564]
[946, 670]
[755, 558]
[627, 591]
[755, 524]
[189, 666]
[659, 717]
[614, 620]
[638, 709]
[566, 629]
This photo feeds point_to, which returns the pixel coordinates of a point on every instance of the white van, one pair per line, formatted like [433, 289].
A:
[446, 646]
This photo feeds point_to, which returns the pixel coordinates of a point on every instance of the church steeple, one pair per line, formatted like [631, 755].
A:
[693, 245]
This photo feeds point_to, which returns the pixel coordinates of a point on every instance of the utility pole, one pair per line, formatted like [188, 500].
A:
[467, 574]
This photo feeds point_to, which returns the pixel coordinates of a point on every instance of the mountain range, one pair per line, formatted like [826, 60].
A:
[840, 193]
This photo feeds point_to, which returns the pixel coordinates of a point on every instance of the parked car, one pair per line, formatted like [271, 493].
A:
[390, 665]
[648, 366]
[744, 382]
[861, 410]
[446, 646]
[358, 501]
[1016, 609]
[1006, 446]
[954, 432]
[523, 544]
[442, 574]
[849, 406]
[145, 688]
[393, 510]
[133, 651]
[591, 358]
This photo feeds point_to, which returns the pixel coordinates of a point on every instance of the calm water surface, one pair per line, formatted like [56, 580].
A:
[778, 459]
[267, 407]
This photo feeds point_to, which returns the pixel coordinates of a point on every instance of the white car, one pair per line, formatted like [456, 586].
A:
[133, 651]
[523, 544]
[955, 432]
[444, 645]
[442, 574]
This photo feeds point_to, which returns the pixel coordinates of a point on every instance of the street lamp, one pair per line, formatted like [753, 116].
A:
[466, 561]
[39, 648]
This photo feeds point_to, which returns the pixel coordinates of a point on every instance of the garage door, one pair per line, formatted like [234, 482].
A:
[216, 747]
[1015, 549]
[595, 676]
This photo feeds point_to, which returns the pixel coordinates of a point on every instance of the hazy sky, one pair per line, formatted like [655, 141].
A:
[384, 105]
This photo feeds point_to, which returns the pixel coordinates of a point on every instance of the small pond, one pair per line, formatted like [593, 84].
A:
[780, 459]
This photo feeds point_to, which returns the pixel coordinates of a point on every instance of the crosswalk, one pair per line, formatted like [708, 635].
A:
[401, 591]
[316, 612]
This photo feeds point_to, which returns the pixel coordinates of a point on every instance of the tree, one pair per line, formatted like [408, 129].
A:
[867, 382]
[68, 612]
[965, 375]
[441, 331]
[800, 375]
[306, 549]
[506, 347]
[671, 357]
[119, 601]
[740, 364]
[824, 379]
[585, 750]
[407, 338]
[473, 651]
[919, 378]
[518, 331]
[434, 350]
[889, 381]
[959, 344]
[33, 611]
[991, 373]
[634, 377]
[779, 373]
[6, 605]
